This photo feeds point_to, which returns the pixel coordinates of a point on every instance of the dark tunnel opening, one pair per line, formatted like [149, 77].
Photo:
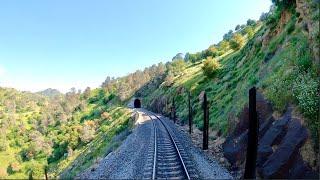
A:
[137, 103]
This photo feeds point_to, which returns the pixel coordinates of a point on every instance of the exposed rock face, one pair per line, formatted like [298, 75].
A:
[270, 33]
[280, 161]
[310, 25]
[279, 144]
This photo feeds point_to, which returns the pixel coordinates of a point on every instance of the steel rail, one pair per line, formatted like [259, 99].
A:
[176, 147]
[155, 151]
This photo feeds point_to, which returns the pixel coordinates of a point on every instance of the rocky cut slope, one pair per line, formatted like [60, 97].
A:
[281, 59]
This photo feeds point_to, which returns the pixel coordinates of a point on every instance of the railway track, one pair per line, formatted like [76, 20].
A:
[166, 157]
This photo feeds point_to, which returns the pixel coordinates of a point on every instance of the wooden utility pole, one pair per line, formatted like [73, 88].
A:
[205, 122]
[190, 112]
[250, 169]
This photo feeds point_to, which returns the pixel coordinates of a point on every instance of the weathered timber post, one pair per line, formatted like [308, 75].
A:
[174, 112]
[46, 172]
[250, 169]
[205, 122]
[30, 175]
[171, 111]
[190, 112]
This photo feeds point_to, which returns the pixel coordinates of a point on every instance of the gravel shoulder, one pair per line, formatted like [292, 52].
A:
[128, 161]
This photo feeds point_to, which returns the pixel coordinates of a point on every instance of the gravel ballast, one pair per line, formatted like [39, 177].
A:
[207, 167]
[128, 161]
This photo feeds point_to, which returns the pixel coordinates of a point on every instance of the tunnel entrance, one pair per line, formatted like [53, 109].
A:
[137, 103]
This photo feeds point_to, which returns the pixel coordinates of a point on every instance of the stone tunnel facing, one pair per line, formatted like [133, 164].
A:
[137, 103]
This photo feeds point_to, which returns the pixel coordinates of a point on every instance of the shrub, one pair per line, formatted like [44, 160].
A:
[88, 132]
[13, 168]
[3, 144]
[251, 22]
[286, 4]
[278, 91]
[305, 90]
[36, 169]
[224, 46]
[210, 67]
[177, 66]
[236, 42]
[169, 79]
[105, 116]
[212, 51]
[3, 173]
[249, 30]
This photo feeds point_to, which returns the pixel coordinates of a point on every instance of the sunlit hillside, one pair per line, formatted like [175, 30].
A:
[65, 134]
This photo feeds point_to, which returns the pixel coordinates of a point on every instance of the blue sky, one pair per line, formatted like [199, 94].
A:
[77, 43]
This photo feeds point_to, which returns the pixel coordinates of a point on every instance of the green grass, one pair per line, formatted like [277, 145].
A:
[98, 148]
[277, 79]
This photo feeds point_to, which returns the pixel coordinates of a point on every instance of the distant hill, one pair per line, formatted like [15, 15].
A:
[50, 92]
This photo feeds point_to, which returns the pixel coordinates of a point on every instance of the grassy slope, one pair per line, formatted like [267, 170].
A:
[283, 79]
[96, 149]
[82, 157]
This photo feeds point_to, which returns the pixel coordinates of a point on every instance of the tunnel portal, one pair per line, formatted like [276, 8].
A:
[137, 103]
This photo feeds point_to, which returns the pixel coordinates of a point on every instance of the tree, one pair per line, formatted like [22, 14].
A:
[251, 22]
[177, 66]
[236, 42]
[105, 116]
[169, 79]
[212, 51]
[86, 93]
[192, 57]
[3, 142]
[224, 45]
[249, 30]
[237, 27]
[88, 131]
[14, 167]
[263, 16]
[228, 35]
[211, 67]
[178, 56]
[3, 173]
[284, 3]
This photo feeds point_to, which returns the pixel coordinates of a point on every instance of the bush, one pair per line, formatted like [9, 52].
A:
[305, 90]
[236, 42]
[88, 132]
[286, 4]
[3, 173]
[105, 116]
[177, 66]
[278, 91]
[249, 30]
[211, 67]
[36, 169]
[251, 22]
[212, 51]
[13, 168]
[224, 46]
[169, 79]
[3, 144]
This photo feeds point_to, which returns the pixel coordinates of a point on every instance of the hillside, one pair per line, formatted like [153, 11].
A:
[279, 59]
[279, 54]
[39, 132]
[50, 92]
